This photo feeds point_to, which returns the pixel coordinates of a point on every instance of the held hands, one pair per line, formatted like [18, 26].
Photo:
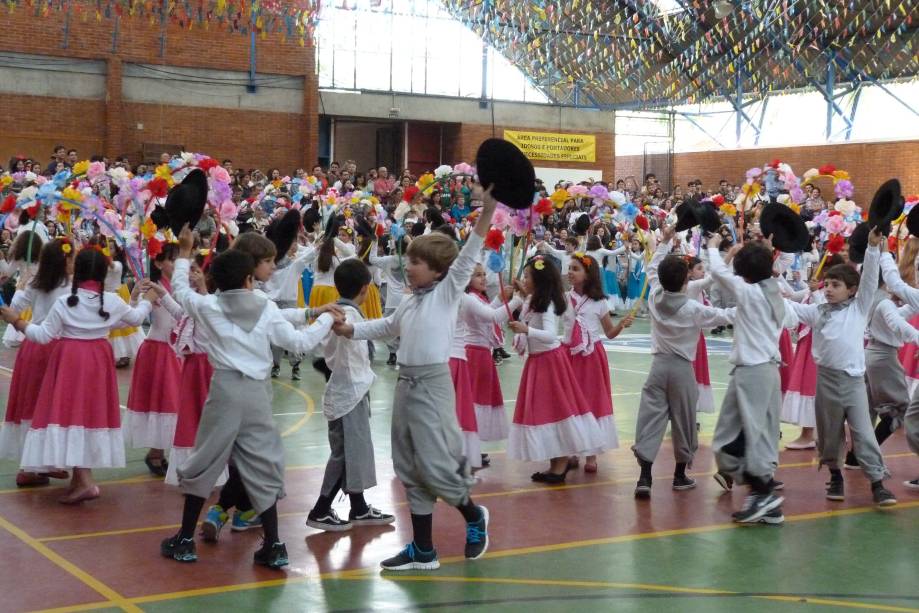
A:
[8, 315]
[508, 292]
[626, 322]
[519, 327]
[667, 233]
[813, 285]
[342, 329]
[334, 310]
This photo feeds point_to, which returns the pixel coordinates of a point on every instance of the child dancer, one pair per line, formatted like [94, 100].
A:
[77, 419]
[125, 341]
[391, 266]
[552, 418]
[346, 405]
[699, 283]
[839, 329]
[670, 393]
[747, 432]
[427, 446]
[585, 322]
[51, 281]
[239, 327]
[24, 254]
[153, 402]
[636, 274]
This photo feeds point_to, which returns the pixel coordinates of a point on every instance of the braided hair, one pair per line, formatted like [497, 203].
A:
[91, 265]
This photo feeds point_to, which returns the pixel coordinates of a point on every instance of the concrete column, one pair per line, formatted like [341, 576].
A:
[114, 109]
[310, 119]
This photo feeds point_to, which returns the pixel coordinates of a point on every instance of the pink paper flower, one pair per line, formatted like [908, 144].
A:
[835, 224]
[219, 173]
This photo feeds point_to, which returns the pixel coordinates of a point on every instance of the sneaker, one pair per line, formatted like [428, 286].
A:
[836, 489]
[477, 536]
[275, 372]
[683, 483]
[724, 480]
[373, 517]
[412, 558]
[851, 462]
[777, 486]
[295, 373]
[756, 506]
[643, 488]
[392, 360]
[213, 522]
[883, 497]
[272, 556]
[179, 549]
[502, 353]
[244, 520]
[913, 485]
[775, 517]
[497, 360]
[330, 522]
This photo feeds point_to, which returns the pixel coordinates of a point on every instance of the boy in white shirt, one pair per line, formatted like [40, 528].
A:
[346, 405]
[839, 330]
[670, 393]
[746, 441]
[238, 327]
[427, 445]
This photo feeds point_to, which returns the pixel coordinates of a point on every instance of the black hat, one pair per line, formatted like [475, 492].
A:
[582, 224]
[788, 231]
[311, 217]
[912, 221]
[362, 226]
[858, 242]
[283, 232]
[223, 242]
[433, 217]
[693, 213]
[184, 203]
[886, 206]
[501, 164]
[332, 226]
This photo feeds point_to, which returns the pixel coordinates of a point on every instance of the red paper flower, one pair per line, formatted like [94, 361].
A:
[158, 187]
[892, 244]
[544, 207]
[835, 244]
[775, 163]
[642, 222]
[718, 199]
[827, 169]
[380, 230]
[834, 213]
[9, 203]
[154, 247]
[207, 163]
[409, 194]
[494, 239]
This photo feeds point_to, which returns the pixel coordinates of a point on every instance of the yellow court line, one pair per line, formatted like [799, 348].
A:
[58, 560]
[310, 408]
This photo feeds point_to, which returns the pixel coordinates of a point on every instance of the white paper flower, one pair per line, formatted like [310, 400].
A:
[617, 197]
[188, 158]
[846, 207]
[443, 171]
[119, 175]
[28, 194]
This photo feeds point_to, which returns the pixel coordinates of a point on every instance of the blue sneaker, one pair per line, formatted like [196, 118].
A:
[477, 536]
[245, 520]
[412, 558]
[213, 522]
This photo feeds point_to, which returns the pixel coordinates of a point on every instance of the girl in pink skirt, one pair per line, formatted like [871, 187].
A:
[77, 421]
[153, 402]
[699, 282]
[585, 322]
[552, 418]
[55, 265]
[475, 378]
[910, 360]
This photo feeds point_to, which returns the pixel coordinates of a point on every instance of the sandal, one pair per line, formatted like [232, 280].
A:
[549, 478]
[573, 462]
[590, 467]
[157, 466]
[25, 479]
[56, 474]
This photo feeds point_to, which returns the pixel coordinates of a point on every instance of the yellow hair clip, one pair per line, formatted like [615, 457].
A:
[539, 265]
[66, 248]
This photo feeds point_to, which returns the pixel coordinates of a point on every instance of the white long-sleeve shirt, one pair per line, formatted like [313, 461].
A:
[283, 284]
[349, 361]
[839, 341]
[678, 334]
[895, 285]
[165, 315]
[756, 333]
[589, 312]
[542, 332]
[343, 251]
[389, 267]
[889, 325]
[40, 302]
[229, 347]
[475, 314]
[480, 328]
[426, 322]
[83, 320]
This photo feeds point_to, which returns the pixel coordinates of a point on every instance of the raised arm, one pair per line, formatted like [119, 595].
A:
[662, 251]
[187, 298]
[868, 285]
[895, 284]
[462, 268]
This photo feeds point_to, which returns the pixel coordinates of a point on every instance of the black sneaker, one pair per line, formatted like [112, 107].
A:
[725, 480]
[295, 373]
[756, 506]
[913, 485]
[486, 461]
[835, 489]
[851, 462]
[392, 360]
[683, 483]
[272, 556]
[502, 353]
[477, 536]
[412, 558]
[330, 522]
[777, 486]
[643, 488]
[179, 549]
[883, 497]
[275, 372]
[372, 517]
[775, 517]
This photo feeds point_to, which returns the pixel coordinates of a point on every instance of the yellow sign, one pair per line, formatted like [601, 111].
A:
[554, 147]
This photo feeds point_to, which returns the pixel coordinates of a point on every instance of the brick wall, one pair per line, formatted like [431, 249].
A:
[250, 138]
[870, 164]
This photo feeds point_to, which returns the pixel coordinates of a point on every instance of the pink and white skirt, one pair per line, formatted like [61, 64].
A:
[28, 372]
[798, 401]
[787, 353]
[77, 420]
[465, 412]
[592, 373]
[490, 416]
[910, 360]
[153, 402]
[552, 418]
[706, 403]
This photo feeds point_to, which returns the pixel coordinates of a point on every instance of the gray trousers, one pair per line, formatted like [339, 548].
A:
[278, 352]
[840, 399]
[351, 460]
[888, 393]
[747, 432]
[391, 343]
[669, 395]
[236, 426]
[427, 446]
[911, 423]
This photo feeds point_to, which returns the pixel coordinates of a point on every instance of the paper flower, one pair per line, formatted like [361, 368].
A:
[775, 163]
[501, 218]
[158, 187]
[728, 209]
[642, 222]
[599, 193]
[846, 207]
[95, 170]
[750, 189]
[154, 247]
[66, 248]
[835, 224]
[463, 169]
[494, 239]
[443, 171]
[219, 174]
[80, 168]
[559, 197]
[576, 191]
[9, 203]
[827, 170]
[617, 197]
[810, 174]
[544, 207]
[718, 200]
[495, 262]
[835, 244]
[840, 175]
[164, 172]
[148, 229]
[207, 163]
[843, 188]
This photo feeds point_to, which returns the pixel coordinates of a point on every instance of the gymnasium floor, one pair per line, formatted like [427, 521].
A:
[587, 544]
